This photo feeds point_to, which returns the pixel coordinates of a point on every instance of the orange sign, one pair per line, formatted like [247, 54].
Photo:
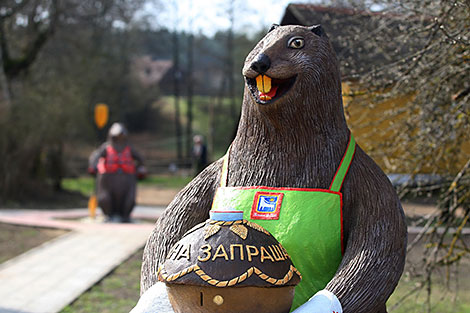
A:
[101, 115]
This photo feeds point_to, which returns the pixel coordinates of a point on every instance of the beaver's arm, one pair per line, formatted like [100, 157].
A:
[190, 207]
[376, 235]
[96, 155]
[137, 157]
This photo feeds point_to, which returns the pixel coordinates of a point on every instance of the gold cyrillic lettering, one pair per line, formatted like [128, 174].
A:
[265, 255]
[232, 251]
[220, 252]
[284, 252]
[275, 253]
[249, 253]
[279, 250]
[184, 253]
[174, 252]
[207, 250]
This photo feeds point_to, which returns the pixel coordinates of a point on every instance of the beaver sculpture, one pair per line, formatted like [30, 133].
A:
[117, 165]
[293, 135]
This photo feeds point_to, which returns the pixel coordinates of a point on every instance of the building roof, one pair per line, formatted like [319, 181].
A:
[150, 72]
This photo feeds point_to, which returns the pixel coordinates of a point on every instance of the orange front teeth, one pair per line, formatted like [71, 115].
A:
[263, 83]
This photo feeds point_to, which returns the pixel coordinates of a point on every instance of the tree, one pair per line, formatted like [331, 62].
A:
[425, 54]
[47, 101]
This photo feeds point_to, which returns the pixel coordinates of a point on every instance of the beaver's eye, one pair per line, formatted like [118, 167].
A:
[296, 43]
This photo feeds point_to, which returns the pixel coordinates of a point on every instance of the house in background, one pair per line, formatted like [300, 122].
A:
[150, 72]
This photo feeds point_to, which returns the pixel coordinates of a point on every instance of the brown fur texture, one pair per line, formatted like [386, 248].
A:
[298, 141]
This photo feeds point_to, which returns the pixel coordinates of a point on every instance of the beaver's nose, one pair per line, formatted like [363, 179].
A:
[261, 64]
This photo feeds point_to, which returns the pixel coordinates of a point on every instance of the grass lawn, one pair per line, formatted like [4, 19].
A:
[443, 299]
[85, 184]
[15, 240]
[116, 293]
[447, 295]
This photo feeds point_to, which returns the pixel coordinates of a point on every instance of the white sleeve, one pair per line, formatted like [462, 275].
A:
[323, 301]
[154, 300]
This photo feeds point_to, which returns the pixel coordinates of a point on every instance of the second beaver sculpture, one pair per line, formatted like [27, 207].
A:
[293, 133]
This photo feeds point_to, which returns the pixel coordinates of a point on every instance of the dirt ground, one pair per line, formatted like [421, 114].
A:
[15, 240]
[148, 195]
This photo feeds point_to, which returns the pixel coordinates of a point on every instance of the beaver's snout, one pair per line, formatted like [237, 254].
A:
[261, 64]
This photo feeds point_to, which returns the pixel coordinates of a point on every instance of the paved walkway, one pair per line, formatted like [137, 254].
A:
[49, 277]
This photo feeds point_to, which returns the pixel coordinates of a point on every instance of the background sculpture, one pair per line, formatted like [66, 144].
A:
[117, 165]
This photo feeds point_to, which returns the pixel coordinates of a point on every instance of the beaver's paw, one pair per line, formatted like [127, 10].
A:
[323, 301]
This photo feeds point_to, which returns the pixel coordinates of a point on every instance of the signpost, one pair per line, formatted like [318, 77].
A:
[101, 115]
[101, 119]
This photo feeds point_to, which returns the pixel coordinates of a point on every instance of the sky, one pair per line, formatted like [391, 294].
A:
[209, 16]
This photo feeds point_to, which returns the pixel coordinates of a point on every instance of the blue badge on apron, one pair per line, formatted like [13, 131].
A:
[266, 205]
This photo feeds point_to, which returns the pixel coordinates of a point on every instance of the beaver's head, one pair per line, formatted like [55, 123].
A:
[292, 64]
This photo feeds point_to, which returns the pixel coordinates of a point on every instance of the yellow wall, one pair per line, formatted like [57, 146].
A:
[379, 127]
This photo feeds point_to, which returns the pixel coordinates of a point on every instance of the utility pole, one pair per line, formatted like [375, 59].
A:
[230, 62]
[176, 81]
[189, 127]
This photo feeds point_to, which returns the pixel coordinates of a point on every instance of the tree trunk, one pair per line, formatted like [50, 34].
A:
[189, 129]
[177, 74]
[230, 66]
[210, 139]
[5, 99]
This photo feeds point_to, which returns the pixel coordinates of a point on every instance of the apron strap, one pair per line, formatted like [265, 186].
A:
[343, 168]
[223, 175]
[338, 180]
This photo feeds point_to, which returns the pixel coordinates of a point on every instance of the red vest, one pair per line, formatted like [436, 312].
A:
[115, 161]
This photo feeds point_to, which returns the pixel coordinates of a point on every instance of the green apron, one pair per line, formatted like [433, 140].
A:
[307, 222]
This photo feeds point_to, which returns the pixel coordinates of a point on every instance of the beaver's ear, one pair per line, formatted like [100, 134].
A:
[318, 30]
[273, 27]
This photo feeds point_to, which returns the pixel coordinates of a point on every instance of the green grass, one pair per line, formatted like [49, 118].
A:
[413, 299]
[116, 293]
[85, 185]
